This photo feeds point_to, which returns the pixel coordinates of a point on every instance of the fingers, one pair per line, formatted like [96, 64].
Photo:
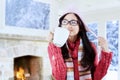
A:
[102, 42]
[50, 37]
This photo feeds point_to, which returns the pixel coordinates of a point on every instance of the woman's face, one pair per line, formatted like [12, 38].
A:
[71, 23]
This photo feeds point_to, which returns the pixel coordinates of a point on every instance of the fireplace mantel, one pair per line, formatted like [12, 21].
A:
[23, 37]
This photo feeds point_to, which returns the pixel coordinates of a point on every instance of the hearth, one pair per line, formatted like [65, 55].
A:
[27, 68]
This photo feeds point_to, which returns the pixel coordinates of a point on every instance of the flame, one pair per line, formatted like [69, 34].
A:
[20, 74]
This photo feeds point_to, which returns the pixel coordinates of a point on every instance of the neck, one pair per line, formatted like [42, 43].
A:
[72, 39]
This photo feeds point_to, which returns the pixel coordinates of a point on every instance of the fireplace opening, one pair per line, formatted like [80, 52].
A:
[28, 68]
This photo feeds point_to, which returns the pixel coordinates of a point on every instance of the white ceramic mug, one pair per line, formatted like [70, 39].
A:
[60, 36]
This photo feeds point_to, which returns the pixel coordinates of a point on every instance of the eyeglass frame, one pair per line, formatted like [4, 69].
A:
[70, 22]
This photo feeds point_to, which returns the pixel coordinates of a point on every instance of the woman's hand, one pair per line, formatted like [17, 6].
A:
[50, 37]
[103, 44]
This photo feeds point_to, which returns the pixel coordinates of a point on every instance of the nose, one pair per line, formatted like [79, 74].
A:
[68, 26]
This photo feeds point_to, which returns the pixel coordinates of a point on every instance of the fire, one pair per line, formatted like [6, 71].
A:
[20, 74]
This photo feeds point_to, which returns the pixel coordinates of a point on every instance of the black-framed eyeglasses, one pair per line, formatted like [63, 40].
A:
[71, 22]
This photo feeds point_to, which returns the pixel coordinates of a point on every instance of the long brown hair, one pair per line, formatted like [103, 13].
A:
[88, 51]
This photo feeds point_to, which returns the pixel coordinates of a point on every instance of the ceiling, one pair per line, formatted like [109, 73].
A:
[88, 5]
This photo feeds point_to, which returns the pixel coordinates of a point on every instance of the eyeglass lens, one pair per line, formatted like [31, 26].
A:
[71, 22]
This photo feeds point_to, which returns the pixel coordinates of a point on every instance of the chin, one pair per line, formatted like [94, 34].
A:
[72, 35]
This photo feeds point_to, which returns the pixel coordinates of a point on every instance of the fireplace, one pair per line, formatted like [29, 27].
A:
[27, 68]
[27, 59]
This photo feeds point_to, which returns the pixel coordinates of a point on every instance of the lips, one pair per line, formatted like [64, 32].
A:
[70, 30]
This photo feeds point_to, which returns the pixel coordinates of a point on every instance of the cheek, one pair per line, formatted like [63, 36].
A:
[77, 30]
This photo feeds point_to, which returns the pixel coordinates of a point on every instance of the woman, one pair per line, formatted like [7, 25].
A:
[77, 59]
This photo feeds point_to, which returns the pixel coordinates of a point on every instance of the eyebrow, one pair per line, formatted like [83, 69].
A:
[70, 20]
